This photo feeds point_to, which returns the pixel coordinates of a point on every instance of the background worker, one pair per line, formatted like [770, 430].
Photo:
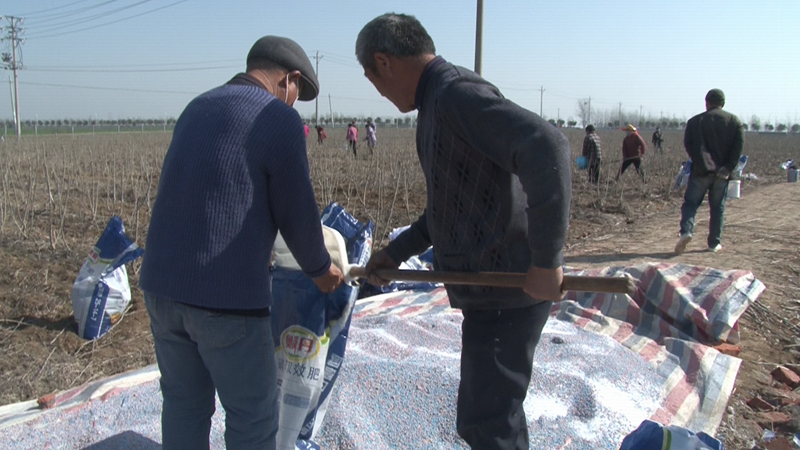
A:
[321, 135]
[592, 153]
[352, 137]
[633, 148]
[714, 140]
[657, 140]
[235, 174]
[372, 138]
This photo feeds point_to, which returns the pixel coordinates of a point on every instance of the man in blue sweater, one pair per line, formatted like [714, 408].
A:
[236, 173]
[498, 192]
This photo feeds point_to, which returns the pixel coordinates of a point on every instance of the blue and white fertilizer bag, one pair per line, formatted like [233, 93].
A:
[740, 165]
[682, 179]
[357, 235]
[654, 436]
[101, 293]
[423, 261]
[310, 330]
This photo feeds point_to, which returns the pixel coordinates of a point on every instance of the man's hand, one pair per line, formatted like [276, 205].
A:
[380, 260]
[544, 284]
[330, 281]
[724, 174]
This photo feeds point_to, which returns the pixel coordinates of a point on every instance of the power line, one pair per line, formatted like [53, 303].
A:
[342, 60]
[109, 89]
[63, 15]
[81, 20]
[342, 63]
[527, 88]
[508, 88]
[77, 70]
[113, 22]
[51, 9]
[99, 88]
[124, 66]
[358, 99]
[340, 56]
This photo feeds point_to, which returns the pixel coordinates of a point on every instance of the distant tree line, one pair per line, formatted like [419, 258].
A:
[89, 122]
[755, 125]
[618, 117]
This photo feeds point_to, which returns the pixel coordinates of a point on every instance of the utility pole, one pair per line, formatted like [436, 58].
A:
[619, 118]
[13, 101]
[10, 60]
[640, 115]
[333, 122]
[479, 38]
[316, 100]
[541, 98]
[590, 110]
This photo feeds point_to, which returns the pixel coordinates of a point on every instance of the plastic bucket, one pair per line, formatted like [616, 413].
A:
[792, 175]
[735, 189]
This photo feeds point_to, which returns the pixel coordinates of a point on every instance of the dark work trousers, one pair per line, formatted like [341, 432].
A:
[353, 146]
[594, 170]
[496, 363]
[637, 164]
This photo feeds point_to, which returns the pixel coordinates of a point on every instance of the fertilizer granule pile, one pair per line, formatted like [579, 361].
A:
[398, 390]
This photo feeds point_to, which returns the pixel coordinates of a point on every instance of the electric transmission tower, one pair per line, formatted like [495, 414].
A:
[10, 60]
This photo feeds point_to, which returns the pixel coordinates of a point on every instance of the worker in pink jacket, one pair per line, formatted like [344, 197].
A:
[352, 137]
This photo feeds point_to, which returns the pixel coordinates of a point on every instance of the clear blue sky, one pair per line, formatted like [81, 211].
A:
[662, 56]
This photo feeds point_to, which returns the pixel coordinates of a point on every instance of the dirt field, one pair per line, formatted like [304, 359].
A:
[58, 192]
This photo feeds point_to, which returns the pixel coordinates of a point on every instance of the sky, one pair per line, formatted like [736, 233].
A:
[112, 59]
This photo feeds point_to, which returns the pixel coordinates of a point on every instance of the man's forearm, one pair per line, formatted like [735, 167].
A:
[413, 241]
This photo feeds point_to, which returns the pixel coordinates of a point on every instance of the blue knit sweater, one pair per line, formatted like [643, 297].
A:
[235, 174]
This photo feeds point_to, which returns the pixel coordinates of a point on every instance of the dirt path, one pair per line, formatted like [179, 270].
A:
[762, 235]
[761, 230]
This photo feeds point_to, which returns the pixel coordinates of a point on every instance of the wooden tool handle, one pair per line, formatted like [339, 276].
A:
[614, 285]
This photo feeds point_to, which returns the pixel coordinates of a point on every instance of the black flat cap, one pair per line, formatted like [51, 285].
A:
[291, 56]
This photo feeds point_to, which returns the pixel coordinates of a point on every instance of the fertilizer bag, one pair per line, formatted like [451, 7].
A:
[310, 330]
[653, 435]
[101, 292]
[682, 179]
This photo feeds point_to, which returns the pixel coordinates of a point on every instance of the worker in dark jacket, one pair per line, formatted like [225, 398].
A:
[658, 140]
[592, 153]
[714, 140]
[498, 195]
[633, 148]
